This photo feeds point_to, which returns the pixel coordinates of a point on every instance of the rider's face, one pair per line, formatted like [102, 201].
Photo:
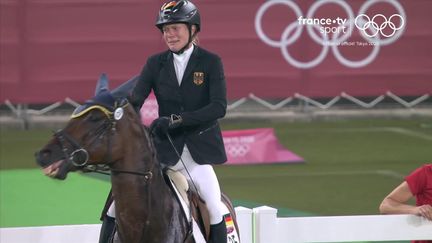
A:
[176, 36]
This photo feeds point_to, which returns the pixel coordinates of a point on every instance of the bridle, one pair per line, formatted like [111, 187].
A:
[79, 156]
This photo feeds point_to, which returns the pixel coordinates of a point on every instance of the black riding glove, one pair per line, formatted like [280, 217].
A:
[160, 126]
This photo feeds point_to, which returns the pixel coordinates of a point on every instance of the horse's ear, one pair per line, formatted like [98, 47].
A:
[120, 102]
[102, 84]
[125, 89]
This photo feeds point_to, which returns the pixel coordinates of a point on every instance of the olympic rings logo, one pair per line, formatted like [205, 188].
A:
[237, 150]
[370, 23]
[369, 29]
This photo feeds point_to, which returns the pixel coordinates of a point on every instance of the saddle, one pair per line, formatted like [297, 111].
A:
[190, 196]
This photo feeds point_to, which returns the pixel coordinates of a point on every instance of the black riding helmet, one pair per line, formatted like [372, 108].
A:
[182, 11]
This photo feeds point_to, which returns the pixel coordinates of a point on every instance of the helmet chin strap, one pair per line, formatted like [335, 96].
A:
[179, 52]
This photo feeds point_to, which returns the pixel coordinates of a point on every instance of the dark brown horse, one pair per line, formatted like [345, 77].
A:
[107, 130]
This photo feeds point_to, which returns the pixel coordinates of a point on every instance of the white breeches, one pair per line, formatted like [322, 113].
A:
[206, 182]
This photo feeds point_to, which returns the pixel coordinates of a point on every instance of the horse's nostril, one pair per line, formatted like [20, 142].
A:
[43, 157]
[42, 153]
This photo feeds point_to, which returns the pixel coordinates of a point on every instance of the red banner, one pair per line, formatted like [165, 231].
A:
[50, 50]
[256, 146]
[149, 110]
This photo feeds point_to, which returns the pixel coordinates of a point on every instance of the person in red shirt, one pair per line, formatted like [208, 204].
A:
[417, 185]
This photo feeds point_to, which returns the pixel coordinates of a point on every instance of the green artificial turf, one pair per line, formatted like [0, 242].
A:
[30, 199]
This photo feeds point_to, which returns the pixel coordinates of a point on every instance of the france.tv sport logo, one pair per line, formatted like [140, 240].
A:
[370, 27]
[377, 30]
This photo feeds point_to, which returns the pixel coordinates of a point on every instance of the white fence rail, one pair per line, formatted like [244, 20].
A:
[261, 225]
[270, 228]
[85, 233]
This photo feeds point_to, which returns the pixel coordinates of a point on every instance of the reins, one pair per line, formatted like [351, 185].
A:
[94, 169]
[181, 160]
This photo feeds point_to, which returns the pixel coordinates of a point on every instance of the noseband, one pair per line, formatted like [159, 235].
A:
[79, 156]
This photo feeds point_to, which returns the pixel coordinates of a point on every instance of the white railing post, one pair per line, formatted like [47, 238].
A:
[244, 221]
[265, 220]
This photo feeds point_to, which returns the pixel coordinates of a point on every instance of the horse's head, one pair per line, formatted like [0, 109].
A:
[98, 132]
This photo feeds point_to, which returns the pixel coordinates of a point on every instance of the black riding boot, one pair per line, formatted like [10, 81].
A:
[107, 230]
[218, 233]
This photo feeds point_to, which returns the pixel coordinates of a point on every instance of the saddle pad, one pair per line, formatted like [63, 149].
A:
[180, 183]
[199, 238]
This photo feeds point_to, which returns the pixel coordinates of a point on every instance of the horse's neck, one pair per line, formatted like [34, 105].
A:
[138, 157]
[140, 201]
[146, 209]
